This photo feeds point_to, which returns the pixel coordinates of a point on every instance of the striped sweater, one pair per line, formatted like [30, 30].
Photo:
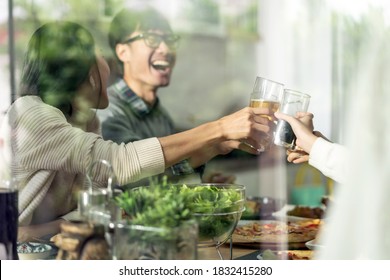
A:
[49, 158]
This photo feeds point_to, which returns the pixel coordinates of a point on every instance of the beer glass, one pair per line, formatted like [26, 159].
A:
[266, 94]
[293, 102]
[9, 220]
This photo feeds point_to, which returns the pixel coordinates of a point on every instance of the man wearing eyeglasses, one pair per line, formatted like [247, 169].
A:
[145, 47]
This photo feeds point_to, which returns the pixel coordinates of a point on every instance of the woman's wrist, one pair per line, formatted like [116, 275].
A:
[306, 143]
[312, 139]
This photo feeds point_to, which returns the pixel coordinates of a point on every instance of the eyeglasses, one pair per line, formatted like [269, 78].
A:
[153, 40]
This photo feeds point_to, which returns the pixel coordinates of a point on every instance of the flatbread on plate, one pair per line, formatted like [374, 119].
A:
[276, 231]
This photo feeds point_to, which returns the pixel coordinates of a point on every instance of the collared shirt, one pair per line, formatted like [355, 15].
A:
[129, 118]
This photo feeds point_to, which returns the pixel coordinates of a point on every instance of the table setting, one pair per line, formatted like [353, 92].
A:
[213, 236]
[205, 236]
[186, 221]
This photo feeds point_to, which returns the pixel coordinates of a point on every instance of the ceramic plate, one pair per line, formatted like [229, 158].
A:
[34, 251]
[282, 214]
[313, 245]
[271, 241]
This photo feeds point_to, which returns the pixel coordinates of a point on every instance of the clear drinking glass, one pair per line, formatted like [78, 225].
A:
[293, 102]
[266, 94]
[97, 205]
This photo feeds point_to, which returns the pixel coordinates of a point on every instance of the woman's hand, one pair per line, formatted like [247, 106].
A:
[219, 137]
[297, 156]
[302, 126]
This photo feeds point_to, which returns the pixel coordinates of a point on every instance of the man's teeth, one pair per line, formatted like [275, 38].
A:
[160, 64]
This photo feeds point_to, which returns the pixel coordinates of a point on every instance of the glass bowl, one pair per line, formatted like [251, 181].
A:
[217, 209]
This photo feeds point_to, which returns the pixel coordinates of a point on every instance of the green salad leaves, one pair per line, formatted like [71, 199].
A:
[216, 208]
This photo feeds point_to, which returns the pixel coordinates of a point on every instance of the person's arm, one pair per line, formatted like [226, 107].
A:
[42, 232]
[35, 233]
[47, 142]
[327, 157]
[218, 137]
[330, 159]
[44, 140]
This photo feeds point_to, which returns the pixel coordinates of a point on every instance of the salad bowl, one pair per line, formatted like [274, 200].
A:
[217, 208]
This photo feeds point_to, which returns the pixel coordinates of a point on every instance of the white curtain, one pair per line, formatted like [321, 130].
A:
[295, 49]
[358, 224]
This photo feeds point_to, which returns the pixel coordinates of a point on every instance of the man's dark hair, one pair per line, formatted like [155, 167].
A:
[128, 21]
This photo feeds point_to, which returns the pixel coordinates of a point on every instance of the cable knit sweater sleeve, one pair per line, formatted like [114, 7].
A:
[330, 159]
[45, 140]
[44, 144]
